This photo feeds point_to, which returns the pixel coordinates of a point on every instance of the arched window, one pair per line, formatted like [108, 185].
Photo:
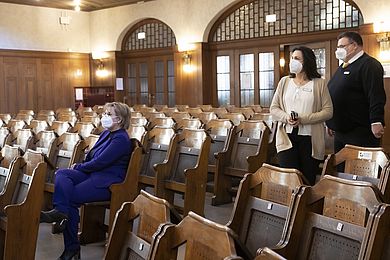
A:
[147, 49]
[249, 39]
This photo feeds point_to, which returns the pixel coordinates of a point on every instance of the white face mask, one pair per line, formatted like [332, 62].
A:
[106, 121]
[295, 66]
[341, 54]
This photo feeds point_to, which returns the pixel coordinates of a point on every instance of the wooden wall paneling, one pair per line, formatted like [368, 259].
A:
[120, 71]
[28, 88]
[11, 83]
[63, 91]
[46, 90]
[80, 65]
[208, 91]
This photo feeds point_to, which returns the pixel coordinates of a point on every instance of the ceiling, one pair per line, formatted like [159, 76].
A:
[86, 5]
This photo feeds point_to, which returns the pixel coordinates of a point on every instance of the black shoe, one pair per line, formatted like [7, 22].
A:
[59, 227]
[52, 216]
[70, 254]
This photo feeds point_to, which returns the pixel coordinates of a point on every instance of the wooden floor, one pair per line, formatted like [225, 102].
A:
[50, 246]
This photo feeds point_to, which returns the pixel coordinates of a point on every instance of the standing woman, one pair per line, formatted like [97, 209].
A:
[301, 105]
[106, 163]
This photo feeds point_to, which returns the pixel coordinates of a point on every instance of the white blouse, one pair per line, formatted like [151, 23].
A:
[299, 99]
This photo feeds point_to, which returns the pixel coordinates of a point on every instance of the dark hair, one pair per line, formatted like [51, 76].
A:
[352, 36]
[309, 62]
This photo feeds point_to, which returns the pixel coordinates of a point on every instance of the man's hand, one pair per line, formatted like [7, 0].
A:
[378, 130]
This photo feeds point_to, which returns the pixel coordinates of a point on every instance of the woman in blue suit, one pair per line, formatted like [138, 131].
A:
[105, 164]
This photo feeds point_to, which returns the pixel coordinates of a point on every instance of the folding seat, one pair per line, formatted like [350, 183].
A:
[236, 118]
[185, 170]
[194, 238]
[23, 138]
[263, 202]
[334, 219]
[38, 125]
[362, 164]
[20, 206]
[8, 155]
[247, 153]
[168, 111]
[135, 226]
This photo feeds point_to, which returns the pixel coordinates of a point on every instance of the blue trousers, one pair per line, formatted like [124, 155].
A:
[72, 189]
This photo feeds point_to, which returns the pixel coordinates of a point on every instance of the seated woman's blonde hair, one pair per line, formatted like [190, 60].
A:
[122, 111]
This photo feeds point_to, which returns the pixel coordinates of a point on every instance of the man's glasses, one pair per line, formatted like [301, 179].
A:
[343, 46]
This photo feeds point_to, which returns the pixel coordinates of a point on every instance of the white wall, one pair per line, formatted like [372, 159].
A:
[37, 28]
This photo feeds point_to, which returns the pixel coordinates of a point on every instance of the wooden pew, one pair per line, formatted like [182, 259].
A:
[162, 121]
[14, 125]
[168, 111]
[25, 117]
[92, 228]
[135, 226]
[8, 155]
[362, 164]
[157, 149]
[83, 129]
[219, 111]
[38, 125]
[20, 205]
[138, 132]
[190, 123]
[23, 138]
[205, 117]
[46, 143]
[333, 220]
[194, 238]
[4, 136]
[186, 171]
[248, 152]
[5, 118]
[60, 127]
[263, 201]
[271, 124]
[220, 131]
[236, 118]
[268, 254]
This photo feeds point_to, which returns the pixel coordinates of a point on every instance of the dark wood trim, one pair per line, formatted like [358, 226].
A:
[43, 54]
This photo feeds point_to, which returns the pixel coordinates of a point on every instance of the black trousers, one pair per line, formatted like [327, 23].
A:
[360, 136]
[299, 156]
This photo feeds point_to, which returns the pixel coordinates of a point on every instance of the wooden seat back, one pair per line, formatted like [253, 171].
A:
[177, 116]
[219, 111]
[60, 127]
[26, 200]
[206, 108]
[38, 125]
[139, 121]
[182, 108]
[70, 118]
[14, 125]
[8, 155]
[25, 117]
[263, 201]
[220, 131]
[205, 117]
[145, 109]
[248, 152]
[360, 163]
[199, 238]
[162, 122]
[46, 112]
[190, 123]
[333, 220]
[271, 124]
[136, 114]
[236, 118]
[185, 171]
[5, 118]
[136, 224]
[257, 108]
[268, 254]
[156, 151]
[27, 112]
[83, 129]
[24, 139]
[168, 111]
[70, 150]
[4, 136]
[95, 120]
[138, 132]
[46, 143]
[99, 109]
[246, 111]
[159, 108]
[89, 142]
[62, 110]
[152, 115]
[194, 111]
[48, 118]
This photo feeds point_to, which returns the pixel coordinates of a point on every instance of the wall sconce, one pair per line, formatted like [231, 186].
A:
[78, 73]
[383, 37]
[187, 67]
[98, 58]
[282, 62]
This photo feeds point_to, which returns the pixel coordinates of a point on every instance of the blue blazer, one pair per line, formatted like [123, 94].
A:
[107, 161]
